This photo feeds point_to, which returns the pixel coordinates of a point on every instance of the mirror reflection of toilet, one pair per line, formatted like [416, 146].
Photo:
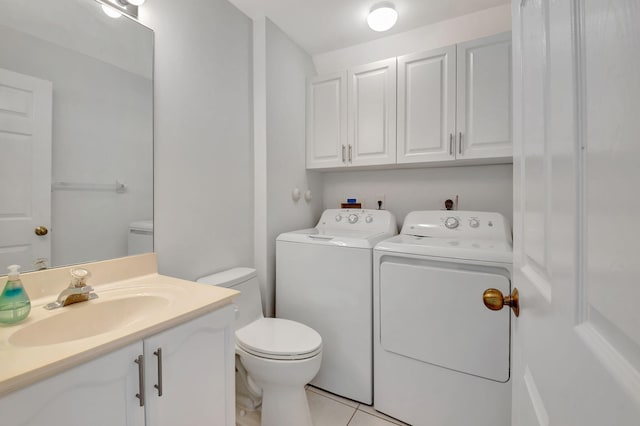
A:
[140, 238]
[278, 357]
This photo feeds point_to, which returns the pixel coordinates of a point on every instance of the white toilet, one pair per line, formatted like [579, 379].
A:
[280, 356]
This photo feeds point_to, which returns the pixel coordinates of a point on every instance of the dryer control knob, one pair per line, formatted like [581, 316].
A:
[369, 219]
[451, 223]
[353, 218]
[338, 218]
[474, 223]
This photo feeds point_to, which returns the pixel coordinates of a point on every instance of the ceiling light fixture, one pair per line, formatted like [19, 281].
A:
[111, 12]
[116, 8]
[382, 17]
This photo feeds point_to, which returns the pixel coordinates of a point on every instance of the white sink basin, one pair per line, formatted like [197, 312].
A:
[87, 319]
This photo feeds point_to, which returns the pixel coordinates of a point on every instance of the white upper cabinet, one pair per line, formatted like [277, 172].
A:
[372, 114]
[453, 103]
[426, 106]
[485, 98]
[327, 121]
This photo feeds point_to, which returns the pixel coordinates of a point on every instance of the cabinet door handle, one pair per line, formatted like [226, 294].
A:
[460, 143]
[350, 152]
[343, 151]
[140, 362]
[450, 143]
[158, 386]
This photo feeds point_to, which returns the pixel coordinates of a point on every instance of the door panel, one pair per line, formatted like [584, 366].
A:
[577, 91]
[426, 106]
[484, 98]
[197, 372]
[372, 113]
[101, 392]
[327, 121]
[25, 174]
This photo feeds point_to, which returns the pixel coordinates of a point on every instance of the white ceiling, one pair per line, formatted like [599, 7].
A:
[324, 25]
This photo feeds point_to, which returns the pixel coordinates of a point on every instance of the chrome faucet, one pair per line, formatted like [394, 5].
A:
[78, 290]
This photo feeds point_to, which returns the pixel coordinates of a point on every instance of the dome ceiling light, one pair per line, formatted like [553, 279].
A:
[115, 8]
[382, 17]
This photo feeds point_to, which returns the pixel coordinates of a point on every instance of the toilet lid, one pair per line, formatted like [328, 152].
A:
[278, 338]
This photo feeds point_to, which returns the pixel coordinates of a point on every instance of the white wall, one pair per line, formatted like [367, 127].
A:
[452, 31]
[486, 188]
[102, 131]
[481, 188]
[204, 196]
[287, 68]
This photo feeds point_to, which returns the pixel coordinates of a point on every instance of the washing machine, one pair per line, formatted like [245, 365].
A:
[324, 280]
[440, 356]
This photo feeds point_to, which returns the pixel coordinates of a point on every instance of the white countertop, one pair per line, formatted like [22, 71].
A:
[22, 365]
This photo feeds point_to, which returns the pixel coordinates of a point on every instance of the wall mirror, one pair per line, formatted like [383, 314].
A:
[76, 134]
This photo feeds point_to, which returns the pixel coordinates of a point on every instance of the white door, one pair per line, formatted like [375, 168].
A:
[327, 121]
[484, 98]
[25, 171]
[372, 114]
[576, 200]
[427, 106]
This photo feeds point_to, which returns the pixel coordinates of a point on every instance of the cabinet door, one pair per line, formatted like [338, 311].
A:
[195, 369]
[427, 106]
[101, 392]
[484, 98]
[327, 121]
[372, 114]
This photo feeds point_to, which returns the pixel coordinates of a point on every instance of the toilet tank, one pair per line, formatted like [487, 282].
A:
[244, 280]
[140, 238]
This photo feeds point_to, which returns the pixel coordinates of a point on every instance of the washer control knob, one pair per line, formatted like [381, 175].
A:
[338, 218]
[353, 218]
[369, 219]
[474, 223]
[451, 222]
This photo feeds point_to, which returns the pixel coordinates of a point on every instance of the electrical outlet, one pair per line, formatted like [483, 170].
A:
[379, 197]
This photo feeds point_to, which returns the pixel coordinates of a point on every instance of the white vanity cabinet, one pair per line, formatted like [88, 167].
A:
[351, 117]
[197, 377]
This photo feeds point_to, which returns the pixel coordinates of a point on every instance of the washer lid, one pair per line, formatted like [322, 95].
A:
[335, 237]
[483, 250]
[279, 338]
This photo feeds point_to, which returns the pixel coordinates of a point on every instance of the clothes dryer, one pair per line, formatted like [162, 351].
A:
[441, 357]
[324, 280]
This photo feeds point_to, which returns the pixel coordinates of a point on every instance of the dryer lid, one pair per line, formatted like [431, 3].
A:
[278, 338]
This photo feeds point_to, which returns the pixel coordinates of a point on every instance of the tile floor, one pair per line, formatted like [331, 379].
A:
[331, 410]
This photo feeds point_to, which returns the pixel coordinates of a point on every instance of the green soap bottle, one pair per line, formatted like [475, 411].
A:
[14, 302]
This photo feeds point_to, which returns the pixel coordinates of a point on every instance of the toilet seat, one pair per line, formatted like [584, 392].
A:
[279, 339]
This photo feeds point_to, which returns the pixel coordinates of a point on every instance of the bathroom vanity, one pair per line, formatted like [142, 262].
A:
[151, 350]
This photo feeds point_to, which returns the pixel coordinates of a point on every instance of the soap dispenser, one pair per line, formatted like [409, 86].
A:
[14, 302]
